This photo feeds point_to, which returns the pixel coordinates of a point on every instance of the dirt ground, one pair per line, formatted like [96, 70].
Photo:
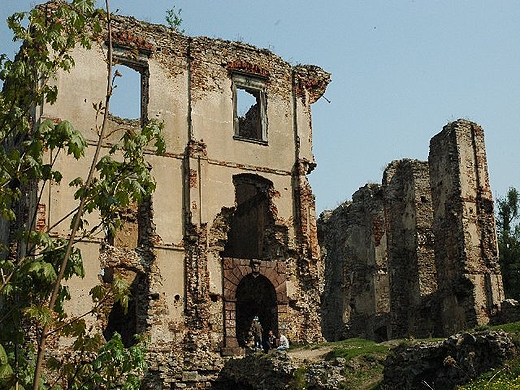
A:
[309, 354]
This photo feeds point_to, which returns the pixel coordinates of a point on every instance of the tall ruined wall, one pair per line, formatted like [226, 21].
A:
[466, 250]
[411, 261]
[354, 245]
[230, 232]
[441, 261]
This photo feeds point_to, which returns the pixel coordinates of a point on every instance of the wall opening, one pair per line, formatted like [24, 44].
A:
[127, 236]
[126, 99]
[252, 221]
[255, 296]
[125, 323]
[250, 108]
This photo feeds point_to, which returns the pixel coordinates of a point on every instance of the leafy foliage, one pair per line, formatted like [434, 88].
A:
[173, 18]
[33, 261]
[509, 242]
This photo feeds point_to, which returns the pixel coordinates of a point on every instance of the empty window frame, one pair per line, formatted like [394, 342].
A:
[250, 108]
[130, 95]
[125, 101]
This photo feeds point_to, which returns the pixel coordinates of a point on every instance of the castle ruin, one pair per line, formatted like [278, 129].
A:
[230, 232]
[417, 255]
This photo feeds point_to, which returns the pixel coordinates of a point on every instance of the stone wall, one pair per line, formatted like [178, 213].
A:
[448, 363]
[232, 220]
[411, 261]
[440, 258]
[354, 246]
[466, 249]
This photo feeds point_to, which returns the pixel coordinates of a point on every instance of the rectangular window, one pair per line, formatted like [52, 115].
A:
[250, 108]
[129, 99]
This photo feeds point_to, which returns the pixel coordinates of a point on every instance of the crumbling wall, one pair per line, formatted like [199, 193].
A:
[175, 248]
[354, 244]
[442, 267]
[411, 260]
[466, 249]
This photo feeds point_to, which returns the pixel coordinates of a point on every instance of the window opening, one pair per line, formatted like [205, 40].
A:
[249, 236]
[128, 113]
[245, 101]
[126, 98]
[250, 118]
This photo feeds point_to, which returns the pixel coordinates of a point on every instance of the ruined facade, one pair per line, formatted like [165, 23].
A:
[439, 257]
[230, 232]
[356, 299]
[466, 249]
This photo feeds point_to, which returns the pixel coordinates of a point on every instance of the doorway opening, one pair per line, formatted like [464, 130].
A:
[252, 225]
[255, 297]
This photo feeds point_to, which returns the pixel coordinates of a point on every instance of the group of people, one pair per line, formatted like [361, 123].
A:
[280, 343]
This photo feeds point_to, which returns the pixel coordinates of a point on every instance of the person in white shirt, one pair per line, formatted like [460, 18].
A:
[283, 342]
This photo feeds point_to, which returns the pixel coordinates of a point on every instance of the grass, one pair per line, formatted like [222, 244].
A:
[348, 349]
[363, 365]
[505, 378]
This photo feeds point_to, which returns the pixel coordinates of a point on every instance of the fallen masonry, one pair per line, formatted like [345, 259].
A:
[448, 363]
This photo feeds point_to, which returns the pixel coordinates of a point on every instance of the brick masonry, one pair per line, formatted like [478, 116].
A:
[230, 214]
[440, 259]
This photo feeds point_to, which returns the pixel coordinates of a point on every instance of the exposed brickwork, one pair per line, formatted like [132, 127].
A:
[441, 253]
[245, 66]
[309, 268]
[466, 249]
[192, 297]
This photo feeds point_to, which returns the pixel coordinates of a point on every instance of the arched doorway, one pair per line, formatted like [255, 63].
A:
[258, 294]
[255, 296]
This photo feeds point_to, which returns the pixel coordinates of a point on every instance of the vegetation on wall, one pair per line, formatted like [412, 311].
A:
[508, 228]
[34, 264]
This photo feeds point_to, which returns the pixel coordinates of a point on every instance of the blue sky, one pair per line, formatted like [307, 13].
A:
[401, 70]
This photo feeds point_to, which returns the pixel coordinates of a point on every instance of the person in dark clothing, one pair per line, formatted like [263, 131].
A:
[257, 330]
[271, 341]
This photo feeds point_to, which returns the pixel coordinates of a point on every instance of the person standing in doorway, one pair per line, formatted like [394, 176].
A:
[271, 341]
[257, 333]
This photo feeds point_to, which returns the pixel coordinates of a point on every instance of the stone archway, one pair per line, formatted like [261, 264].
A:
[255, 297]
[240, 284]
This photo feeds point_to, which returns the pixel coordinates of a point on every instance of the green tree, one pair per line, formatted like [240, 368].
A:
[34, 263]
[508, 226]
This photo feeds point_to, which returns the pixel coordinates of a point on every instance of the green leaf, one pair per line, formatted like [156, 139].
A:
[3, 356]
[43, 270]
[47, 126]
[41, 314]
[6, 374]
[98, 293]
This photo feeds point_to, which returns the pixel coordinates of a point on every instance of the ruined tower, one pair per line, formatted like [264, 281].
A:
[411, 261]
[466, 249]
[439, 258]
